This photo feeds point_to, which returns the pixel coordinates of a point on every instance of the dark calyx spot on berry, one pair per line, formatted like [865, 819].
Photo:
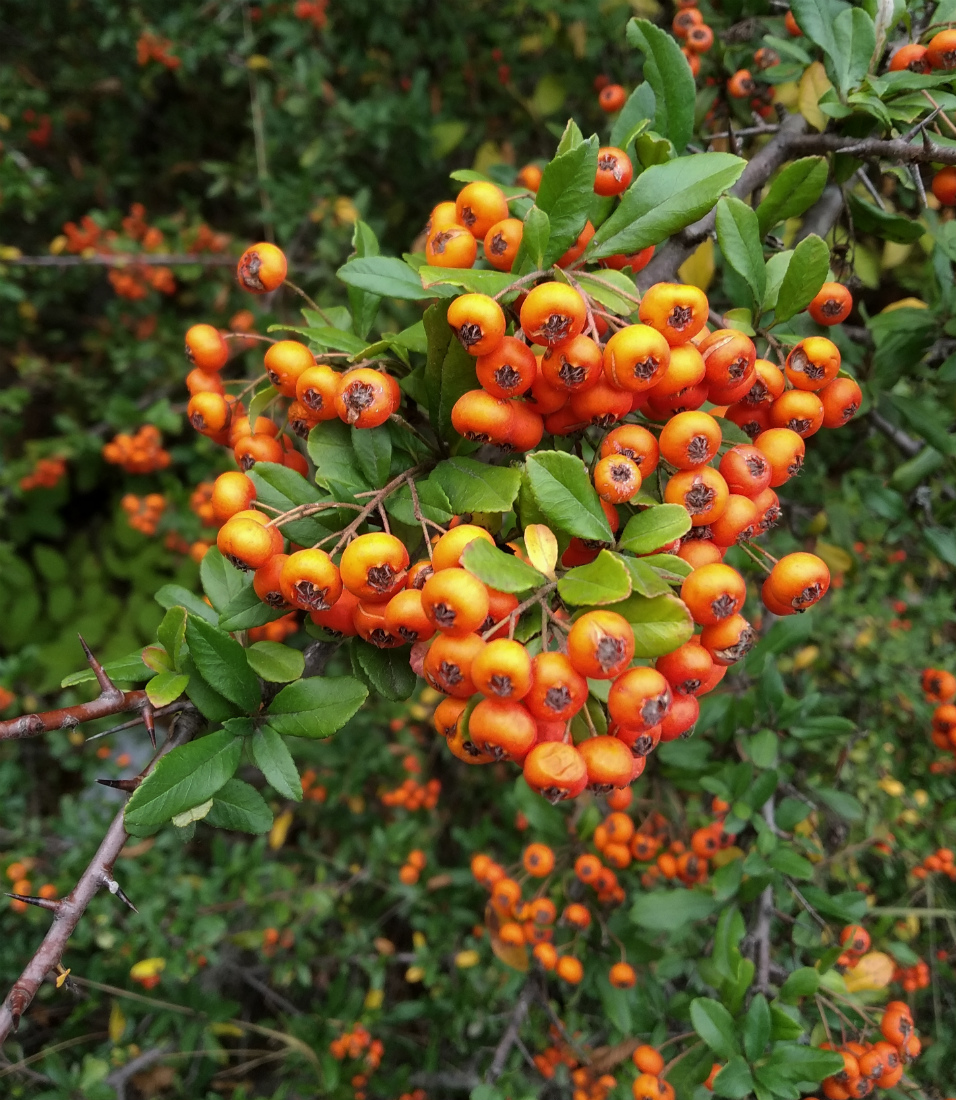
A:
[743, 645]
[189, 355]
[738, 368]
[471, 748]
[444, 615]
[621, 473]
[198, 421]
[311, 596]
[807, 597]
[410, 636]
[440, 240]
[610, 163]
[603, 420]
[478, 437]
[554, 795]
[796, 466]
[832, 307]
[653, 710]
[698, 449]
[646, 368]
[274, 599]
[570, 374]
[555, 328]
[246, 462]
[699, 498]
[756, 465]
[380, 577]
[705, 531]
[498, 246]
[609, 652]
[312, 399]
[507, 377]
[642, 745]
[501, 685]
[450, 674]
[758, 392]
[723, 606]
[557, 698]
[300, 427]
[381, 638]
[849, 411]
[753, 428]
[358, 396]
[594, 544]
[680, 317]
[249, 272]
[469, 334]
[799, 361]
[237, 562]
[798, 424]
[274, 377]
[468, 217]
[422, 576]
[689, 686]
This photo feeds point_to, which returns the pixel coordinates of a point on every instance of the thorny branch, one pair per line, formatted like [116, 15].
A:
[69, 910]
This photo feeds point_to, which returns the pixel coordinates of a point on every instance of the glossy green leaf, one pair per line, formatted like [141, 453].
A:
[475, 280]
[669, 75]
[386, 276]
[562, 489]
[806, 273]
[756, 1027]
[385, 670]
[472, 486]
[172, 633]
[645, 579]
[500, 570]
[221, 661]
[273, 759]
[738, 235]
[174, 595]
[660, 624]
[854, 37]
[640, 108]
[221, 580]
[655, 527]
[714, 1024]
[869, 218]
[803, 982]
[283, 489]
[317, 706]
[166, 687]
[183, 778]
[667, 910]
[804, 1063]
[603, 581]
[734, 1081]
[124, 670]
[449, 370]
[816, 19]
[535, 235]
[277, 663]
[565, 195]
[373, 453]
[247, 611]
[239, 806]
[612, 289]
[330, 448]
[795, 189]
[362, 304]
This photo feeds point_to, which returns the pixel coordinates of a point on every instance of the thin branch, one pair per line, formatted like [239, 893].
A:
[510, 1037]
[71, 908]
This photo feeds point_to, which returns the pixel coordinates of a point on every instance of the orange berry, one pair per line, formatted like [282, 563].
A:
[262, 268]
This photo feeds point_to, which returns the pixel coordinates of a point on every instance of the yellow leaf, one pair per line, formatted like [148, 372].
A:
[813, 84]
[894, 254]
[466, 959]
[805, 657]
[893, 787]
[787, 94]
[515, 957]
[698, 269]
[384, 946]
[346, 212]
[920, 797]
[905, 303]
[418, 940]
[541, 548]
[374, 998]
[727, 855]
[147, 968]
[258, 62]
[489, 153]
[117, 1024]
[58, 245]
[578, 37]
[61, 978]
[414, 974]
[228, 1030]
[836, 558]
[873, 971]
[280, 830]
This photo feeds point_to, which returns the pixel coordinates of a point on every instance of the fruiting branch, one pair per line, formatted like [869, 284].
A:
[379, 498]
[110, 701]
[70, 909]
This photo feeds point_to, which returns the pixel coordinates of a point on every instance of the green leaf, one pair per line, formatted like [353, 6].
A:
[756, 1027]
[660, 624]
[364, 306]
[472, 486]
[669, 566]
[239, 806]
[616, 1004]
[274, 760]
[317, 706]
[221, 662]
[386, 670]
[639, 108]
[247, 611]
[183, 778]
[535, 234]
[664, 199]
[855, 38]
[841, 803]
[432, 501]
[738, 235]
[868, 218]
[174, 595]
[714, 1024]
[275, 662]
[125, 670]
[734, 1081]
[330, 448]
[385, 276]
[790, 812]
[565, 195]
[801, 1063]
[612, 289]
[823, 725]
[172, 633]
[795, 190]
[602, 581]
[942, 542]
[373, 452]
[324, 337]
[668, 910]
[655, 527]
[788, 862]
[476, 280]
[806, 273]
[449, 371]
[206, 699]
[816, 19]
[803, 982]
[221, 580]
[668, 73]
[166, 687]
[503, 571]
[562, 489]
[283, 489]
[645, 579]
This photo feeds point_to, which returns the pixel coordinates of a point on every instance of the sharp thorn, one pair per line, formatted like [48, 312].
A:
[106, 684]
[148, 722]
[128, 785]
[114, 888]
[51, 904]
[15, 1016]
[123, 898]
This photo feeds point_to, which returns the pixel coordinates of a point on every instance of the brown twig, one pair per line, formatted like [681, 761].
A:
[372, 505]
[110, 701]
[509, 1039]
[70, 909]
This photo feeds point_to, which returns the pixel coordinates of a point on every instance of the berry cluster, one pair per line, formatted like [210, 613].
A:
[587, 1084]
[939, 688]
[153, 47]
[939, 862]
[867, 1066]
[141, 453]
[411, 869]
[912, 978]
[45, 475]
[355, 1044]
[412, 795]
[273, 939]
[144, 512]
[311, 11]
